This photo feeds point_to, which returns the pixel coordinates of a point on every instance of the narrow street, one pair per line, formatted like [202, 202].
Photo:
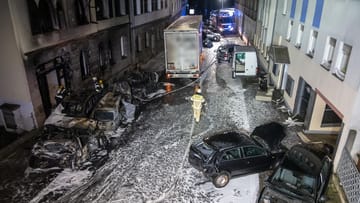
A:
[152, 166]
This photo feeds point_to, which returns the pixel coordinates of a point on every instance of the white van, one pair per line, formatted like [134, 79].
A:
[244, 61]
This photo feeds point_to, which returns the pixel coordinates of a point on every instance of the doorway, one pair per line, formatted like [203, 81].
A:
[303, 98]
[50, 75]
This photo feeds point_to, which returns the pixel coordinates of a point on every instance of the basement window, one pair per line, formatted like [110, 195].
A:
[139, 44]
[329, 52]
[147, 39]
[289, 85]
[330, 119]
[123, 46]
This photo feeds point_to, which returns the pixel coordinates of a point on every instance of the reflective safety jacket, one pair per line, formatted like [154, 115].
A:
[197, 99]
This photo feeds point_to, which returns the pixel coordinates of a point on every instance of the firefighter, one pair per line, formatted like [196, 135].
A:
[198, 100]
[60, 94]
[98, 84]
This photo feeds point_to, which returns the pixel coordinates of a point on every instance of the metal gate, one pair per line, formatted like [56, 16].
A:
[349, 177]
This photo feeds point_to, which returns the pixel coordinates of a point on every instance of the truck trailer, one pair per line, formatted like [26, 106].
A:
[183, 46]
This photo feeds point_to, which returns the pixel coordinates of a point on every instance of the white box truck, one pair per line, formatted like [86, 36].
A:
[183, 46]
[244, 61]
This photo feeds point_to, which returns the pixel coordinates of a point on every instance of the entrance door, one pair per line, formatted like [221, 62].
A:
[50, 75]
[304, 92]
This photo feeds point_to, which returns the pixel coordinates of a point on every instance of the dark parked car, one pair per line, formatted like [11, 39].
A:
[228, 154]
[225, 52]
[211, 35]
[207, 43]
[302, 176]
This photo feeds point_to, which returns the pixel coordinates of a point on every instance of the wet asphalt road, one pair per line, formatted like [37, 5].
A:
[151, 166]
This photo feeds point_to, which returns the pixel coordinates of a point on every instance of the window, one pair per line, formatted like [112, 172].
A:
[123, 46]
[285, 7]
[166, 3]
[162, 4]
[153, 41]
[330, 118]
[154, 5]
[120, 8]
[289, 85]
[84, 64]
[147, 5]
[231, 154]
[139, 43]
[329, 52]
[253, 151]
[299, 36]
[343, 60]
[275, 70]
[288, 34]
[137, 7]
[147, 39]
[350, 140]
[312, 43]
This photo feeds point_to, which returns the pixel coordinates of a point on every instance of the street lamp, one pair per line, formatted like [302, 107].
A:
[222, 3]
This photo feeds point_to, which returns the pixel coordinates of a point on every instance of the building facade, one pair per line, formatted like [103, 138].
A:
[321, 82]
[51, 43]
[248, 19]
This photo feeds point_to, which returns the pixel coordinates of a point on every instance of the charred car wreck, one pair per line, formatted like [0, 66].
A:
[82, 128]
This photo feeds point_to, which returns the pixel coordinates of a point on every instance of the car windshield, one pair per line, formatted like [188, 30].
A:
[205, 150]
[298, 183]
[103, 115]
[72, 108]
[226, 20]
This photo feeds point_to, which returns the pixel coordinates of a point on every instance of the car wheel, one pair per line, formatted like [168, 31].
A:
[221, 179]
[216, 39]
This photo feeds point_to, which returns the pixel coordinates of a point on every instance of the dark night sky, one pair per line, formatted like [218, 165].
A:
[205, 6]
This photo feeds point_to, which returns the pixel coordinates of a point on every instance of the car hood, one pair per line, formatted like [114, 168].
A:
[269, 135]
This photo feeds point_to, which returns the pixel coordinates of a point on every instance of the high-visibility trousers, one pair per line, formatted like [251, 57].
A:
[197, 113]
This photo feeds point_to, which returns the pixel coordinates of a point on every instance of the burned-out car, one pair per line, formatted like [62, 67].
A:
[70, 137]
[222, 156]
[302, 176]
[107, 112]
[67, 148]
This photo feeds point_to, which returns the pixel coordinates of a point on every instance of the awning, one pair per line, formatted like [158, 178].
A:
[279, 54]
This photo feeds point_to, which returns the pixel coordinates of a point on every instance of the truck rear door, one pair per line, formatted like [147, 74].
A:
[182, 54]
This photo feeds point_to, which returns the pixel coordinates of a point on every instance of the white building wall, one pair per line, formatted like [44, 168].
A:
[340, 20]
[13, 83]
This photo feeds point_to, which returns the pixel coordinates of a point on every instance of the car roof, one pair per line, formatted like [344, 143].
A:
[228, 140]
[306, 158]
